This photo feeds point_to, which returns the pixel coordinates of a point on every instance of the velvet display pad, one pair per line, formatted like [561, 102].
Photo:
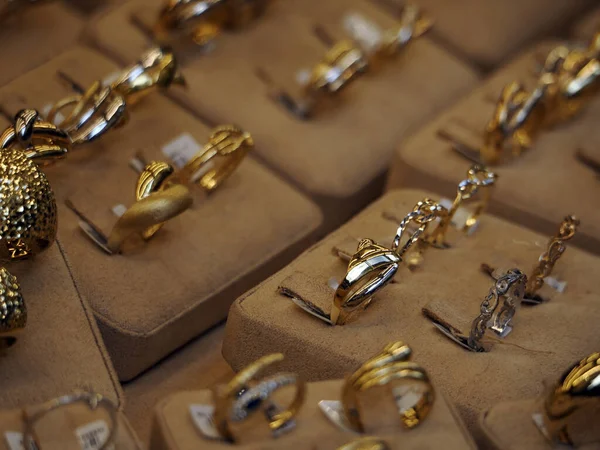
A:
[60, 349]
[510, 426]
[174, 428]
[340, 155]
[60, 428]
[159, 294]
[545, 338]
[488, 32]
[535, 190]
[589, 25]
[36, 35]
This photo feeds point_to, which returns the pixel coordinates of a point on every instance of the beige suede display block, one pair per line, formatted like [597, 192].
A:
[545, 339]
[61, 349]
[174, 428]
[340, 156]
[510, 426]
[60, 428]
[535, 190]
[35, 36]
[158, 295]
[589, 24]
[487, 32]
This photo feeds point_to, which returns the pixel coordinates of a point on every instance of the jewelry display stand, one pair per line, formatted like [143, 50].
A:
[61, 349]
[534, 190]
[487, 33]
[63, 427]
[35, 36]
[174, 428]
[542, 341]
[330, 157]
[585, 29]
[158, 295]
[510, 426]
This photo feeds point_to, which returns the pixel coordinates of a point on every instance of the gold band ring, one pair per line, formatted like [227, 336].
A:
[546, 262]
[479, 180]
[367, 443]
[232, 401]
[226, 149]
[573, 403]
[392, 365]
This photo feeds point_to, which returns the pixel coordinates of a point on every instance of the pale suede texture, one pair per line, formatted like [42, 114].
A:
[160, 294]
[340, 156]
[587, 26]
[35, 36]
[488, 32]
[60, 349]
[545, 339]
[57, 429]
[175, 430]
[535, 190]
[510, 426]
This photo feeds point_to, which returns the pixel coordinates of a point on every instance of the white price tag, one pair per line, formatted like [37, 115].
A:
[303, 77]
[93, 435]
[119, 210]
[202, 416]
[557, 285]
[14, 440]
[58, 118]
[181, 149]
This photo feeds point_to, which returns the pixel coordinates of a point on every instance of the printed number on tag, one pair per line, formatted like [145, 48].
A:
[93, 435]
[181, 149]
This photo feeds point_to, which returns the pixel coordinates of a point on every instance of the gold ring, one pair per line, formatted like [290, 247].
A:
[204, 20]
[156, 69]
[555, 249]
[423, 214]
[245, 393]
[27, 202]
[479, 179]
[342, 64]
[157, 201]
[573, 403]
[226, 149]
[516, 122]
[13, 312]
[391, 365]
[573, 75]
[370, 269]
[95, 112]
[94, 401]
[366, 443]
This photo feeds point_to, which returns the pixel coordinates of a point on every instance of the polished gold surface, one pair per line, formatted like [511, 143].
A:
[157, 69]
[91, 114]
[574, 398]
[204, 20]
[370, 269]
[13, 312]
[479, 181]
[555, 249]
[393, 365]
[157, 202]
[226, 149]
[248, 383]
[27, 203]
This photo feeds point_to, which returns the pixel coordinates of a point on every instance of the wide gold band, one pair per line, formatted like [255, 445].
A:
[391, 365]
[226, 396]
